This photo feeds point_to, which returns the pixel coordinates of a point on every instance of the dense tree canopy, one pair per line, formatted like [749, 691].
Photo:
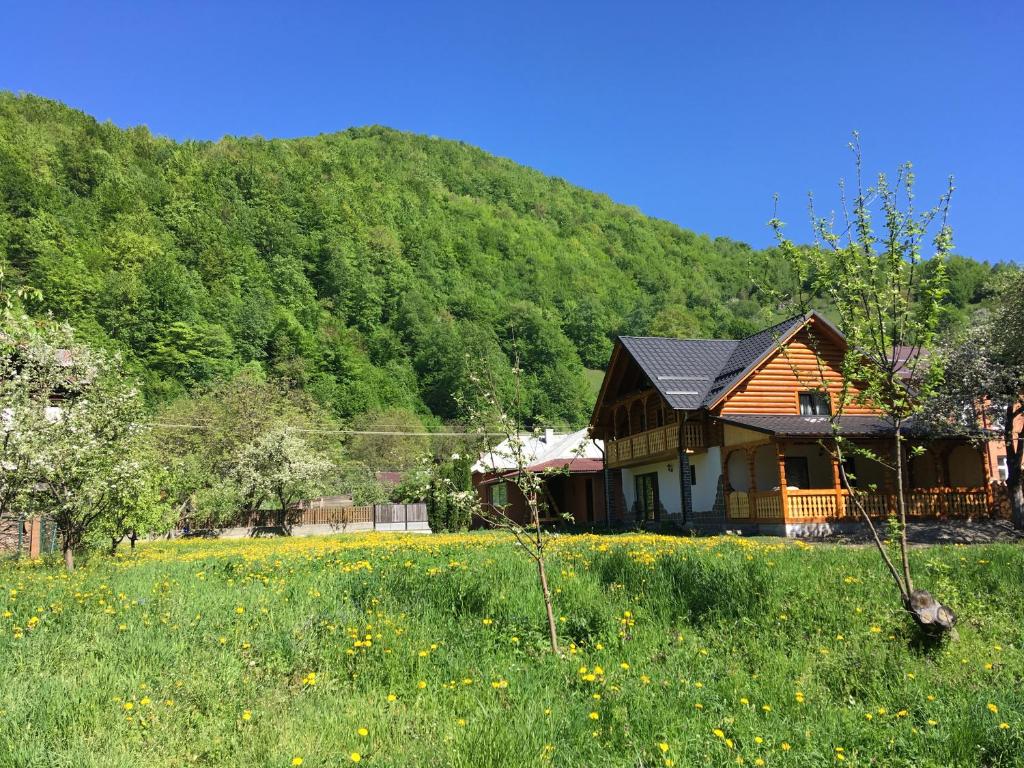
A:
[371, 268]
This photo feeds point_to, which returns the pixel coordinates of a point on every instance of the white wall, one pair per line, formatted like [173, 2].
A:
[668, 484]
[708, 471]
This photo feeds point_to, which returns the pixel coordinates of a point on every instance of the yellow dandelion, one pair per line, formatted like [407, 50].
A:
[296, 760]
[663, 747]
[594, 715]
[355, 757]
[362, 731]
[992, 708]
[247, 714]
[785, 746]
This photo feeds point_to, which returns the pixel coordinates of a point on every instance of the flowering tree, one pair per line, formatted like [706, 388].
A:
[278, 465]
[146, 509]
[887, 298]
[85, 464]
[982, 386]
[31, 375]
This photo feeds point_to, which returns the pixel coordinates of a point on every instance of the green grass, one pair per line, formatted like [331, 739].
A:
[716, 649]
[595, 378]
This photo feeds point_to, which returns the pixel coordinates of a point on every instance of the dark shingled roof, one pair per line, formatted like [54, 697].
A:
[683, 370]
[813, 426]
[693, 373]
[748, 353]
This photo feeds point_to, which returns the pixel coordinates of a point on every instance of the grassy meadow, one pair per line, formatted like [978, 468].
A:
[399, 650]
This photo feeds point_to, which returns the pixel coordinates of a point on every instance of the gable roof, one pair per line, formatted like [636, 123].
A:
[698, 373]
[749, 353]
[682, 370]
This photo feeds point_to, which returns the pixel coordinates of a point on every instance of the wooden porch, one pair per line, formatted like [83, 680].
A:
[828, 504]
[782, 480]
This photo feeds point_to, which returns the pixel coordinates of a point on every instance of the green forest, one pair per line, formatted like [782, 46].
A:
[375, 271]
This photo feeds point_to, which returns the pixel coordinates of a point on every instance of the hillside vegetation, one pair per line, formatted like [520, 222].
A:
[374, 269]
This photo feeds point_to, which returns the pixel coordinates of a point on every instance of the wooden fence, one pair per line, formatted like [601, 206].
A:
[340, 516]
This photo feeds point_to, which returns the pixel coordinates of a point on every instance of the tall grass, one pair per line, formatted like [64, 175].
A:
[680, 652]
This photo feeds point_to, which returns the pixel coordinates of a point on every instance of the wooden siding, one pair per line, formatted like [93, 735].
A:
[774, 387]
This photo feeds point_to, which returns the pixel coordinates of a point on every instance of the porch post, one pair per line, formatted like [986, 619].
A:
[725, 479]
[751, 500]
[780, 452]
[837, 483]
[986, 470]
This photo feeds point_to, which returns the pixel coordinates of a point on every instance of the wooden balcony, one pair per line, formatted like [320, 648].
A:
[825, 505]
[653, 444]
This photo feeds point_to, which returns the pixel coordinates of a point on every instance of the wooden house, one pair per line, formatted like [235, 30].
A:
[728, 434]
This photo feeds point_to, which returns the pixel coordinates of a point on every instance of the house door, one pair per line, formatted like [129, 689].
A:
[647, 501]
[797, 473]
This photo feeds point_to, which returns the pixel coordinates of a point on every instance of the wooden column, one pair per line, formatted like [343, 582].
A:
[837, 483]
[986, 473]
[751, 501]
[780, 452]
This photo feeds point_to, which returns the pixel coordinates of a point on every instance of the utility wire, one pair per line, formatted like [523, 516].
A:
[204, 427]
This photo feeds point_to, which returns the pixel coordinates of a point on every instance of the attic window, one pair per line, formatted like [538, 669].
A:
[815, 404]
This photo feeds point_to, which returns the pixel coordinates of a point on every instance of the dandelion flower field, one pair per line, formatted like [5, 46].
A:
[395, 650]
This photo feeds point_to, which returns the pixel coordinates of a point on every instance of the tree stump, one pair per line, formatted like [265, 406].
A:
[931, 616]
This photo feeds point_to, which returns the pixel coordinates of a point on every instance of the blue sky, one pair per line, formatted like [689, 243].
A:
[693, 112]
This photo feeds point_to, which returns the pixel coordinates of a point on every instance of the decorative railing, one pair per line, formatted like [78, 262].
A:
[827, 504]
[755, 505]
[653, 442]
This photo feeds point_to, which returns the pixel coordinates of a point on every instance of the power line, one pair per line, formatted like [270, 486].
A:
[204, 427]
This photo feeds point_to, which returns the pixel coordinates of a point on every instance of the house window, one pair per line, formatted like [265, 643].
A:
[647, 496]
[797, 473]
[1003, 468]
[693, 475]
[815, 404]
[499, 495]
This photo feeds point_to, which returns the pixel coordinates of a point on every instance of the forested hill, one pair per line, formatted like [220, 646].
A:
[373, 268]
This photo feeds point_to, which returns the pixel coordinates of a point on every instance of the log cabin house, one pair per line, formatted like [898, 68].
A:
[728, 434]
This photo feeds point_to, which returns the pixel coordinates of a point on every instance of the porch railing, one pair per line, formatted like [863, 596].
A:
[826, 504]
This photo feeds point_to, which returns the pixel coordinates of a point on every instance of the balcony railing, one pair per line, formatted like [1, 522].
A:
[824, 504]
[653, 442]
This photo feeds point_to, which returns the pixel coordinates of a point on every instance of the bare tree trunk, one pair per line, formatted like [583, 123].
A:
[542, 573]
[552, 627]
[69, 556]
[1014, 476]
[113, 544]
[901, 509]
